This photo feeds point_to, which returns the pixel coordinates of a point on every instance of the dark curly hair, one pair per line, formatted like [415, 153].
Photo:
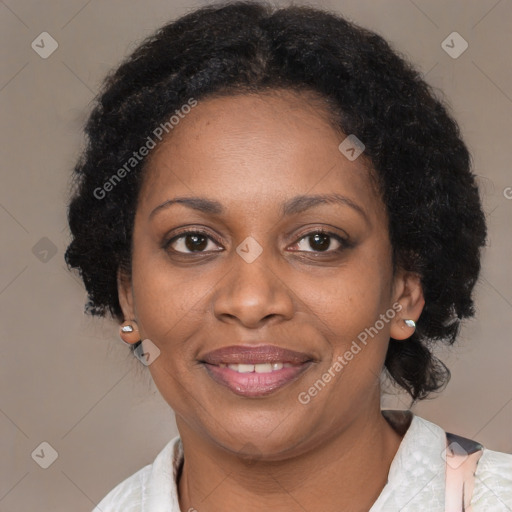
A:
[423, 168]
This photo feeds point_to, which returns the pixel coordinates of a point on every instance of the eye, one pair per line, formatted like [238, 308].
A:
[320, 241]
[193, 242]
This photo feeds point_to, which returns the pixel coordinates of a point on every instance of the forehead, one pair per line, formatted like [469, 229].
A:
[253, 146]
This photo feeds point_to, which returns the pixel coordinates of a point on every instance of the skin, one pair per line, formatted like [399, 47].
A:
[252, 153]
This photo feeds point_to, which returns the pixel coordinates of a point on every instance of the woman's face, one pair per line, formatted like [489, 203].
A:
[261, 176]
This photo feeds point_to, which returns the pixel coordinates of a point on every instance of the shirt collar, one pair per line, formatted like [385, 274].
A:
[416, 475]
[161, 492]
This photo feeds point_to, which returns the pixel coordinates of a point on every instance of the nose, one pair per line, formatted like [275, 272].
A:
[252, 295]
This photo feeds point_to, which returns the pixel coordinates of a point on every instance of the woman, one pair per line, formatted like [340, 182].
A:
[277, 210]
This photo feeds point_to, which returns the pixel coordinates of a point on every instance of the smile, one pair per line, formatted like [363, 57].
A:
[255, 380]
[256, 367]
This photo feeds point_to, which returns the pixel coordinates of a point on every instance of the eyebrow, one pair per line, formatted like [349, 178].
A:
[197, 203]
[301, 203]
[293, 206]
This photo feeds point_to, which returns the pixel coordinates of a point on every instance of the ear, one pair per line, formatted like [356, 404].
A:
[408, 292]
[125, 293]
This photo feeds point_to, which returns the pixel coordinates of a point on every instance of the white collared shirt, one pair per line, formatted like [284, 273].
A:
[416, 478]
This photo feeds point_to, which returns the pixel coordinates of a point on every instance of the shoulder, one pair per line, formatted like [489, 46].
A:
[421, 462]
[126, 496]
[136, 492]
[493, 482]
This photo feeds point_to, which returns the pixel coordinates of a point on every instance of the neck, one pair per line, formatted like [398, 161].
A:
[345, 472]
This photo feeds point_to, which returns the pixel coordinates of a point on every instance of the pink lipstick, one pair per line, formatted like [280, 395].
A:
[255, 371]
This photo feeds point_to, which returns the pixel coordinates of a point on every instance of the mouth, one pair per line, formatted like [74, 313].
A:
[257, 367]
[255, 371]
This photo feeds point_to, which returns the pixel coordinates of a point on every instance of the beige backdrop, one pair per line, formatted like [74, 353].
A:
[67, 379]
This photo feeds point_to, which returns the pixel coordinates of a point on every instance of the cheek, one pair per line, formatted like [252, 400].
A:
[345, 307]
[169, 302]
[348, 300]
[170, 307]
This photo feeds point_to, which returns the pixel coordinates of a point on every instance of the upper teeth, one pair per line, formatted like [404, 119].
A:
[258, 368]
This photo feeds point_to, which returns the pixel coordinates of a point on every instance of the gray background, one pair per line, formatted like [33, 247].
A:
[66, 378]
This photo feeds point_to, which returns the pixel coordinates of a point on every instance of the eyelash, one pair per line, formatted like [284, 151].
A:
[344, 242]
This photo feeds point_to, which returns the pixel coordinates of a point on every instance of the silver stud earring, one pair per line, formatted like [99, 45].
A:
[129, 332]
[410, 323]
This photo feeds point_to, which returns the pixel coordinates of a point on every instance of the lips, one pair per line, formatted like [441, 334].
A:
[261, 354]
[255, 371]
